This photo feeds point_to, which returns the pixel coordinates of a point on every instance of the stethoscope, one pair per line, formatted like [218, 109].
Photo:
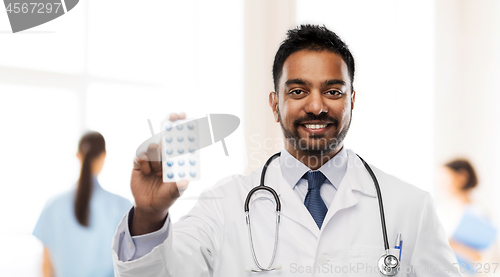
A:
[388, 264]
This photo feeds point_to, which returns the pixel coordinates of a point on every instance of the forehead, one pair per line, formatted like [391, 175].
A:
[315, 67]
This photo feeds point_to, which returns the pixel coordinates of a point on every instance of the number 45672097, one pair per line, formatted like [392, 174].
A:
[33, 7]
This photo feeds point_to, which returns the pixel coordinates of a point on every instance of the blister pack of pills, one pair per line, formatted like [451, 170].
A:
[180, 144]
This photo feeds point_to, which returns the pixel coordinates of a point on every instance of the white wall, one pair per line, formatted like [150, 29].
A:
[266, 23]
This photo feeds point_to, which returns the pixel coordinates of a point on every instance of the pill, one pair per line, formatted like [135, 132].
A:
[170, 175]
[170, 151]
[168, 127]
[191, 149]
[180, 138]
[180, 126]
[192, 173]
[180, 150]
[170, 163]
[182, 174]
[181, 162]
[191, 138]
[192, 161]
[190, 126]
[168, 139]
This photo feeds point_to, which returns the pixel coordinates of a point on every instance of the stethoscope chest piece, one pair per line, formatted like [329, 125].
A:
[388, 265]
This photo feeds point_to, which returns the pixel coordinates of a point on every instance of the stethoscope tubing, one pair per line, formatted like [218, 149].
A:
[264, 187]
[380, 202]
[278, 210]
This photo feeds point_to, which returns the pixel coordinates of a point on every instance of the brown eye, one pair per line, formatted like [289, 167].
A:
[296, 92]
[335, 93]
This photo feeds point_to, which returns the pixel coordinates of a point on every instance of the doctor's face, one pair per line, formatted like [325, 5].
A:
[314, 103]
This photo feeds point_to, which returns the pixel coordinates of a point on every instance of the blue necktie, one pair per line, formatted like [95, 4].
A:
[313, 202]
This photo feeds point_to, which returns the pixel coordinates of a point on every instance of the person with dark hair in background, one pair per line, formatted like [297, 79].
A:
[76, 227]
[472, 234]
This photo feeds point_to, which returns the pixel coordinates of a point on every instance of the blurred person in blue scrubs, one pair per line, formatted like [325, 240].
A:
[468, 221]
[77, 226]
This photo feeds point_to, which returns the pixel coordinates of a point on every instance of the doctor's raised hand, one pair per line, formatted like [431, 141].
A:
[152, 196]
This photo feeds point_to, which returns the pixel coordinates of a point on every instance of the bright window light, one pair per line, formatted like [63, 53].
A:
[39, 142]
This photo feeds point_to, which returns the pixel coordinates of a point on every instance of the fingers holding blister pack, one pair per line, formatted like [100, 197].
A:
[181, 140]
[180, 143]
[154, 157]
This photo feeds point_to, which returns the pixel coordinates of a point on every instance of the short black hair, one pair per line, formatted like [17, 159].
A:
[310, 37]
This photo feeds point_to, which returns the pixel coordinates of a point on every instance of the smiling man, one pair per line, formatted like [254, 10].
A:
[321, 211]
[317, 97]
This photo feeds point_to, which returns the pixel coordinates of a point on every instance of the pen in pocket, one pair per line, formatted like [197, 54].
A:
[399, 245]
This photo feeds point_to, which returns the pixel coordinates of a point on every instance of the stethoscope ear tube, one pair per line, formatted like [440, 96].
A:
[272, 191]
[262, 186]
[380, 202]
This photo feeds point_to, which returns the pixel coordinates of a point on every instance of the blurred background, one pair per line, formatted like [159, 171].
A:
[426, 82]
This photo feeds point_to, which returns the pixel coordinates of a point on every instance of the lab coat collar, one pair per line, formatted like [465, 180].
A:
[356, 178]
[293, 169]
[291, 206]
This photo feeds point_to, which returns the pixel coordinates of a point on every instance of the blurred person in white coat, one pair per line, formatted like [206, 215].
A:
[313, 99]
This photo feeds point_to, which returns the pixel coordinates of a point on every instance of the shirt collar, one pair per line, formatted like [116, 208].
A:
[293, 169]
[93, 181]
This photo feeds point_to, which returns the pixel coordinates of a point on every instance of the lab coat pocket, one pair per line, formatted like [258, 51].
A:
[363, 260]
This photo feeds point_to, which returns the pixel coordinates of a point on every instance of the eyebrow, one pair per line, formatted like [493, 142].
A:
[296, 82]
[303, 82]
[334, 82]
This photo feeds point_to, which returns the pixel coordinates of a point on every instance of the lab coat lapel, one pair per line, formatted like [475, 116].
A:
[294, 209]
[291, 206]
[356, 178]
[344, 198]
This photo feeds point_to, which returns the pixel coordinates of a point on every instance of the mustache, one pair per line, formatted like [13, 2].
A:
[313, 117]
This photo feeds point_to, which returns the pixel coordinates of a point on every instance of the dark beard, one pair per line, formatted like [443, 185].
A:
[302, 145]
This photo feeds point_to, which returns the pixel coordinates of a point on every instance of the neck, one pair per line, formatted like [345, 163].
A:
[463, 197]
[312, 160]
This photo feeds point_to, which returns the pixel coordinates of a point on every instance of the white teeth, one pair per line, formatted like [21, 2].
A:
[315, 126]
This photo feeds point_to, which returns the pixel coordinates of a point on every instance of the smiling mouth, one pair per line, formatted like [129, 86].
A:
[316, 128]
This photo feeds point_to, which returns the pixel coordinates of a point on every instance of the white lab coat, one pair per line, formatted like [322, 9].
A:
[212, 239]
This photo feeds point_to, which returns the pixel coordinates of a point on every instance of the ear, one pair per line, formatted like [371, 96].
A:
[79, 156]
[353, 99]
[463, 175]
[273, 103]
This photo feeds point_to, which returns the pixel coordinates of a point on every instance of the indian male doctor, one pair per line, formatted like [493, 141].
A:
[330, 222]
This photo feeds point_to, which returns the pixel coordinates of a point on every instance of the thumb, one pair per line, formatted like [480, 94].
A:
[181, 186]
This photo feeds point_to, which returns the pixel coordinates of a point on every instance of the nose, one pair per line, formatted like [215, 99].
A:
[315, 103]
